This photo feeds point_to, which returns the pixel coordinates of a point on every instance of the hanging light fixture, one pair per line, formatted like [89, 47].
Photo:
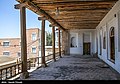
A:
[57, 11]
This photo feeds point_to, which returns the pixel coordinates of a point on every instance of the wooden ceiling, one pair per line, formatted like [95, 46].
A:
[71, 14]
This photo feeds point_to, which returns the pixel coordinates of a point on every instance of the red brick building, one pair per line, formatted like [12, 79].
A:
[11, 46]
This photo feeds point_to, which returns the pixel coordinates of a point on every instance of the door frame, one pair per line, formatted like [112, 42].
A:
[111, 37]
[87, 41]
[110, 24]
[88, 53]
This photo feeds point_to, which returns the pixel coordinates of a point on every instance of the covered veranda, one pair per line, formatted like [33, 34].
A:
[66, 15]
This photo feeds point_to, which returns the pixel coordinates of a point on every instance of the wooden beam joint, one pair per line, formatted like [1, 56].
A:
[41, 12]
[18, 6]
[42, 18]
[52, 25]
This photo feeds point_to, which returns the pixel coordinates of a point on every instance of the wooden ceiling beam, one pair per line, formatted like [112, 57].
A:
[79, 23]
[80, 27]
[76, 14]
[52, 2]
[84, 18]
[80, 17]
[79, 20]
[79, 10]
[74, 6]
[52, 8]
[82, 14]
[42, 12]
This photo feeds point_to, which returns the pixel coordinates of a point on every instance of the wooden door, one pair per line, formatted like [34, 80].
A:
[112, 48]
[112, 44]
[86, 48]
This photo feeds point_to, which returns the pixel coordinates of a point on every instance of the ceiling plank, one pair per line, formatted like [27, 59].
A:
[52, 2]
[73, 14]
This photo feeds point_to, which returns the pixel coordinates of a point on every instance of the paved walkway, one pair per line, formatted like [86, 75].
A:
[75, 67]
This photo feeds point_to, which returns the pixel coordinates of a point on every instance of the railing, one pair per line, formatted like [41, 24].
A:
[48, 58]
[15, 69]
[62, 52]
[11, 71]
[56, 54]
[37, 60]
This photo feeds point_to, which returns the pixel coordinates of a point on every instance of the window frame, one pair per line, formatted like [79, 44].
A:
[33, 36]
[35, 49]
[6, 42]
[6, 52]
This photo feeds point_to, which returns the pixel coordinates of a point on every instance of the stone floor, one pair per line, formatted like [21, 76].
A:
[75, 67]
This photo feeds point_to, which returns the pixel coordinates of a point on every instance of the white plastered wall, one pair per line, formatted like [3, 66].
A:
[79, 39]
[111, 19]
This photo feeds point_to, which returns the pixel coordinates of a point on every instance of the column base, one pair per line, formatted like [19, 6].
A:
[44, 65]
[38, 67]
[60, 56]
[24, 75]
[54, 60]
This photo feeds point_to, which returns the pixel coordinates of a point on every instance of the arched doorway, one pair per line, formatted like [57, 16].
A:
[112, 44]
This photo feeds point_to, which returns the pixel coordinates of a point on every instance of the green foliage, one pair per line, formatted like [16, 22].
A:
[49, 39]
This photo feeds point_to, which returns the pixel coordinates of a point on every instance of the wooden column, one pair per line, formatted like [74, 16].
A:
[53, 42]
[25, 73]
[59, 42]
[43, 62]
[66, 42]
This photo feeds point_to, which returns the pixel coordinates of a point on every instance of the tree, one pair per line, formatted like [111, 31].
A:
[49, 39]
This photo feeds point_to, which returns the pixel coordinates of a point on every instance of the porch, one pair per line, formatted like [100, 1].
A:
[75, 67]
[87, 16]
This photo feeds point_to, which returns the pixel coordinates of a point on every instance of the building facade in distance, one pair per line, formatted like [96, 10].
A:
[12, 46]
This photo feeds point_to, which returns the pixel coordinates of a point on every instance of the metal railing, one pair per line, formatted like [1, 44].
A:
[8, 72]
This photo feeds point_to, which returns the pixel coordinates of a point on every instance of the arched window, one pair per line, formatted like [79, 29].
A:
[73, 42]
[112, 32]
[112, 44]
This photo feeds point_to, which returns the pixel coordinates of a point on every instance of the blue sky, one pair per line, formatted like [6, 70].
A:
[10, 20]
